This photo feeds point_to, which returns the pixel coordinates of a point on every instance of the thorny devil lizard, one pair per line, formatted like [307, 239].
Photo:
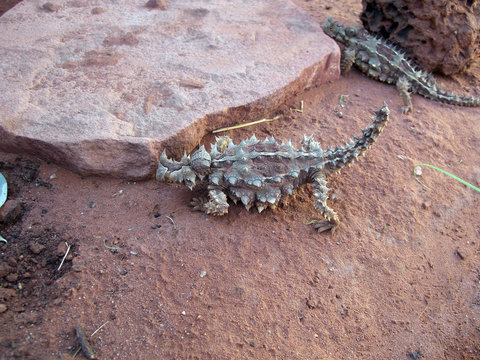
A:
[262, 173]
[385, 62]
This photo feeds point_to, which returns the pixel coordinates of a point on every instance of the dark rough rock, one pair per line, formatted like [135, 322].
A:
[442, 36]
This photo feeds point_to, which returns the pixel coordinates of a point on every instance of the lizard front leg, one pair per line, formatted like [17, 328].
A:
[347, 59]
[215, 205]
[320, 191]
[403, 86]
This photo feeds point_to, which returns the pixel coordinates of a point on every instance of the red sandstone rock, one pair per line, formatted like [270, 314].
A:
[103, 94]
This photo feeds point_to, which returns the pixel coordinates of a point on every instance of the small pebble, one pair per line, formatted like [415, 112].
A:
[62, 249]
[418, 171]
[426, 205]
[157, 4]
[11, 261]
[11, 278]
[460, 253]
[50, 7]
[35, 247]
[4, 269]
[10, 211]
[3, 308]
[77, 268]
[203, 273]
[98, 10]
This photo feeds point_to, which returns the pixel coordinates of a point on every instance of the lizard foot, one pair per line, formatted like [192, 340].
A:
[216, 204]
[406, 109]
[325, 225]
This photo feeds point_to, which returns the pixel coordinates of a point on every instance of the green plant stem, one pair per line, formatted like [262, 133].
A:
[446, 173]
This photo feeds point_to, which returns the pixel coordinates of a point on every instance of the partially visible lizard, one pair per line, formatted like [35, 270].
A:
[385, 62]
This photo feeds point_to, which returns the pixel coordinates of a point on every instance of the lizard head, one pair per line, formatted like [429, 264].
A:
[186, 170]
[338, 31]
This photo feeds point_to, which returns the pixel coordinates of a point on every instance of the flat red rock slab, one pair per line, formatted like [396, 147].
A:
[101, 90]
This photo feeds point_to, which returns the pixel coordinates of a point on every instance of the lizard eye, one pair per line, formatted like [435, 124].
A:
[351, 31]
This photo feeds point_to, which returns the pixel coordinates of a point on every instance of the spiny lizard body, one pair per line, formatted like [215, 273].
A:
[261, 173]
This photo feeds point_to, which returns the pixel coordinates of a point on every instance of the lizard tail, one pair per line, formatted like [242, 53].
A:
[429, 88]
[336, 159]
[454, 99]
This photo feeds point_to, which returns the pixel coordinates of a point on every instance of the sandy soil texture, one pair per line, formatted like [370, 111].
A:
[398, 280]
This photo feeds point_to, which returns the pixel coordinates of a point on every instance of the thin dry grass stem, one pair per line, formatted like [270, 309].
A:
[246, 124]
[64, 256]
[173, 222]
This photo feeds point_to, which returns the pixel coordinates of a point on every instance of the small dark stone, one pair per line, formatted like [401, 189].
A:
[44, 211]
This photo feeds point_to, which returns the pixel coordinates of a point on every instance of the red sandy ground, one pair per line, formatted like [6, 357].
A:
[398, 280]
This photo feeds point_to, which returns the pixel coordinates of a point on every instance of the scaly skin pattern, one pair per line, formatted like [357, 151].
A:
[262, 173]
[385, 62]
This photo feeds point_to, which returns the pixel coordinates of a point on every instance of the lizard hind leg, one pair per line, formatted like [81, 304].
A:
[320, 191]
[347, 60]
[403, 86]
[216, 204]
